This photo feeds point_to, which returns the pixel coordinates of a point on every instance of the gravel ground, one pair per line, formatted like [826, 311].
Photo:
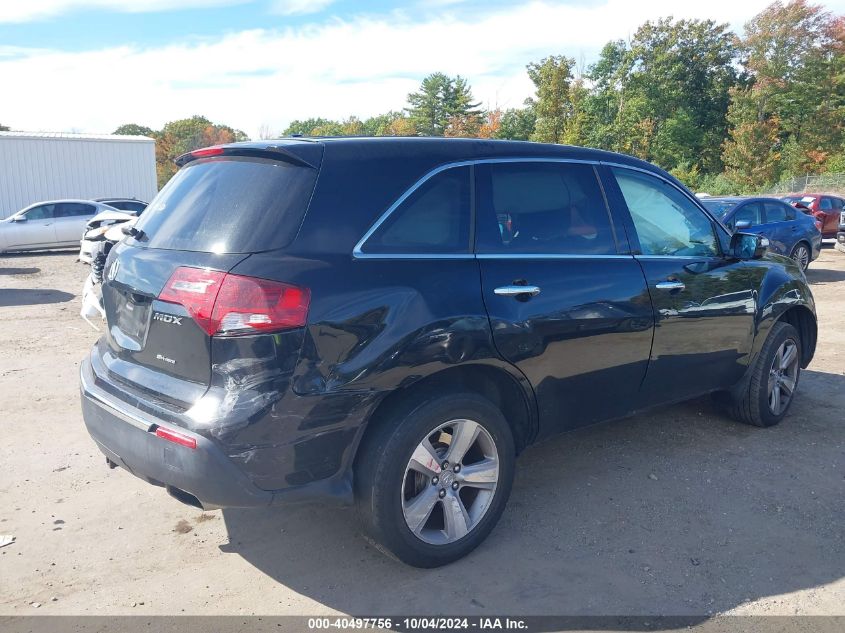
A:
[679, 511]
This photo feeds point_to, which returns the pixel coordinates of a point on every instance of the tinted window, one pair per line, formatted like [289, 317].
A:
[544, 208]
[231, 205]
[73, 209]
[776, 212]
[666, 221]
[44, 212]
[435, 218]
[751, 213]
[825, 204]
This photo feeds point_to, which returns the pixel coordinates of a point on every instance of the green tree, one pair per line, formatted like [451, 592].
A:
[4, 128]
[552, 77]
[794, 95]
[440, 100]
[517, 124]
[133, 129]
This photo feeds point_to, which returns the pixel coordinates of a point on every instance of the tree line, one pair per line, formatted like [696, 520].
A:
[725, 113]
[722, 112]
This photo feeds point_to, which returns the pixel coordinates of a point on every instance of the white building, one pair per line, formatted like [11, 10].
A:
[36, 166]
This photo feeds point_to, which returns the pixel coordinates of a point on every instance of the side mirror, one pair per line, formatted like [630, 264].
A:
[749, 245]
[19, 218]
[742, 224]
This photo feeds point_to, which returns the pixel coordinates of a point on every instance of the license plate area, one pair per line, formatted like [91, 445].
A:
[132, 321]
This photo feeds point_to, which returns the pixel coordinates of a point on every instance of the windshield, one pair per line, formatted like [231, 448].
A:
[229, 205]
[719, 208]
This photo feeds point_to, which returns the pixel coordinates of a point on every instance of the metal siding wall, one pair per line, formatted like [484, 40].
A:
[35, 169]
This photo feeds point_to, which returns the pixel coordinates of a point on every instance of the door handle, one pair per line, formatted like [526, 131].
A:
[515, 291]
[670, 285]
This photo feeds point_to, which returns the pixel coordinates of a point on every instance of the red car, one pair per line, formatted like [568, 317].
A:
[824, 207]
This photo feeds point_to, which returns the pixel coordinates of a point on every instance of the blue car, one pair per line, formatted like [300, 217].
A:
[790, 231]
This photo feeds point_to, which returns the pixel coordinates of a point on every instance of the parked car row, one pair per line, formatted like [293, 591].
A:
[64, 223]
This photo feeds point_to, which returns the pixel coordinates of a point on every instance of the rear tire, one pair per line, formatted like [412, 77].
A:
[771, 389]
[413, 507]
[801, 255]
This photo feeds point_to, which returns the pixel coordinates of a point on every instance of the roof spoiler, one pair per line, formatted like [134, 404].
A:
[273, 152]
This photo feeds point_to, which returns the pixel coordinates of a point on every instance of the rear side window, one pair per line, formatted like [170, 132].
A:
[73, 209]
[543, 208]
[434, 219]
[826, 204]
[777, 212]
[229, 205]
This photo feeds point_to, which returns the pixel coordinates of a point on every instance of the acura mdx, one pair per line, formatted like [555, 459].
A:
[388, 322]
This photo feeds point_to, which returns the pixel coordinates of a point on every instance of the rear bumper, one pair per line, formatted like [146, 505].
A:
[127, 437]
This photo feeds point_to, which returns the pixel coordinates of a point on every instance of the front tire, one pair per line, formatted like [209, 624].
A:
[770, 391]
[432, 483]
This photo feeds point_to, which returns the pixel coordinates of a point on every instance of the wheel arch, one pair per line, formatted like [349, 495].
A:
[510, 393]
[802, 319]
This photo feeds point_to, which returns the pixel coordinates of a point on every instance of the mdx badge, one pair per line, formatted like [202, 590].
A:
[167, 318]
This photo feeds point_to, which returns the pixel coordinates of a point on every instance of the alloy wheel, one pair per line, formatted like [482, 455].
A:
[801, 256]
[450, 482]
[783, 376]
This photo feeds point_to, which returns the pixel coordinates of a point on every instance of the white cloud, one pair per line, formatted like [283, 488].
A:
[362, 66]
[299, 7]
[27, 10]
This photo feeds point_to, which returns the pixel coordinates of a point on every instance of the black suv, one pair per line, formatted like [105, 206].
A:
[391, 321]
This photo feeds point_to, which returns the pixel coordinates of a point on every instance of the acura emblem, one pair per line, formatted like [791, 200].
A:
[112, 273]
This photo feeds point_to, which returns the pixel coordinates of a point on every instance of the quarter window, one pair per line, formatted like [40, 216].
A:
[667, 222]
[434, 219]
[542, 208]
[825, 204]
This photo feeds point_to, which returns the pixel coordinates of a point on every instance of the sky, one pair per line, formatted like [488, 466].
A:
[92, 65]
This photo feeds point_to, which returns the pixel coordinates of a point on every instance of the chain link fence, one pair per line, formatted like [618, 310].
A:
[830, 183]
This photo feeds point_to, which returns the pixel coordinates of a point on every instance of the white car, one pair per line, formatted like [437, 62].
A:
[46, 225]
[95, 229]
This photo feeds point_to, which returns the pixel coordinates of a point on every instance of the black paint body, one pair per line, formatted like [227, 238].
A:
[289, 409]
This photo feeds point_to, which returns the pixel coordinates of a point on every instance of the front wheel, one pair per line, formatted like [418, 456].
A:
[774, 379]
[801, 255]
[432, 485]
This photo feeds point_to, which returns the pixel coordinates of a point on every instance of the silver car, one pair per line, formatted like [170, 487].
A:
[52, 224]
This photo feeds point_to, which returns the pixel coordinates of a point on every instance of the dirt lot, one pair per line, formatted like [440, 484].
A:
[677, 512]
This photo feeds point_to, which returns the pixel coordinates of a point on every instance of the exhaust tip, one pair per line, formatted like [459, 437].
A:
[185, 497]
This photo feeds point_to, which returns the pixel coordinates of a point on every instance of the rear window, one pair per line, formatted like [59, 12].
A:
[229, 205]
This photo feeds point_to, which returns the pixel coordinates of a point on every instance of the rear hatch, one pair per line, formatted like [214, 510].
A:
[166, 290]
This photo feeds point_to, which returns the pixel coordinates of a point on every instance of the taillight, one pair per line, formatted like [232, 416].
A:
[222, 303]
[196, 289]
